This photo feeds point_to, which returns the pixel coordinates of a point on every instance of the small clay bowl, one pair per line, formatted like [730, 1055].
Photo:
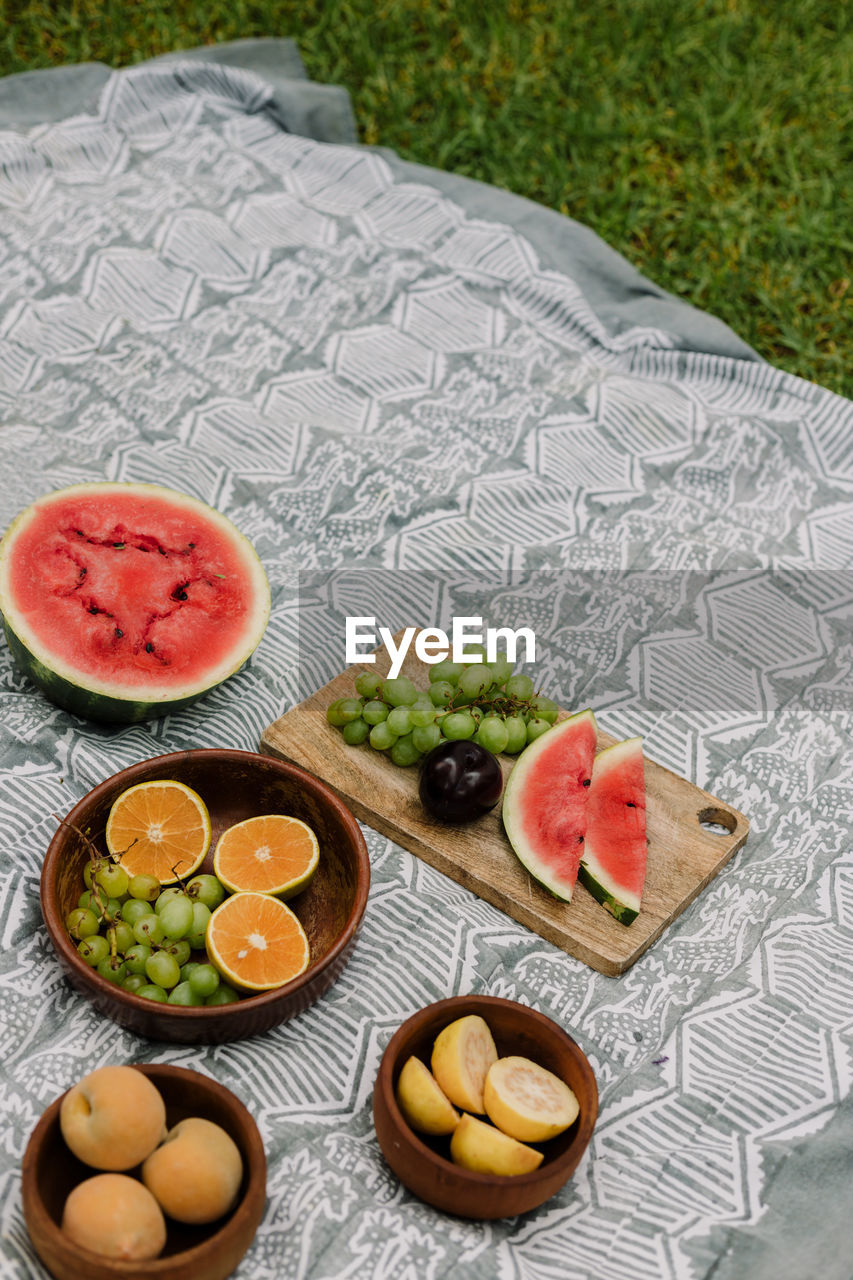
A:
[423, 1163]
[210, 1252]
[234, 785]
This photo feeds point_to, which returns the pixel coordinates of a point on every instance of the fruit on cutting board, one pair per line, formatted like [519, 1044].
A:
[461, 1057]
[126, 601]
[613, 863]
[459, 782]
[113, 1118]
[527, 1101]
[423, 1103]
[544, 807]
[270, 853]
[195, 1173]
[159, 828]
[484, 1149]
[115, 1216]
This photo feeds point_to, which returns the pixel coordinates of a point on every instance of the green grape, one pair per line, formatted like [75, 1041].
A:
[93, 950]
[423, 714]
[375, 712]
[88, 902]
[404, 752]
[350, 709]
[441, 692]
[381, 737]
[204, 980]
[367, 683]
[113, 879]
[113, 969]
[180, 949]
[149, 930]
[111, 909]
[153, 992]
[134, 981]
[207, 890]
[81, 923]
[223, 995]
[492, 734]
[535, 729]
[136, 957]
[163, 969]
[545, 709]
[123, 934]
[134, 909]
[356, 732]
[168, 895]
[145, 888]
[502, 668]
[459, 724]
[333, 714]
[446, 672]
[183, 994]
[475, 680]
[519, 687]
[186, 969]
[516, 735]
[177, 917]
[91, 867]
[425, 737]
[400, 721]
[400, 692]
[196, 935]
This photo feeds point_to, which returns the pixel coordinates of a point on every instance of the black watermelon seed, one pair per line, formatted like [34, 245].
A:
[149, 648]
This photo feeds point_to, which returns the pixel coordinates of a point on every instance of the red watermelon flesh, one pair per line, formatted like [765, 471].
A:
[544, 806]
[613, 865]
[129, 592]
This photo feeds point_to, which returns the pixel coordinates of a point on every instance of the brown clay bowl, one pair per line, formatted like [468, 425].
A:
[210, 1252]
[234, 785]
[423, 1164]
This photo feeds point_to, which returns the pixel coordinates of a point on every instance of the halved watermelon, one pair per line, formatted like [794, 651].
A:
[545, 801]
[127, 601]
[613, 862]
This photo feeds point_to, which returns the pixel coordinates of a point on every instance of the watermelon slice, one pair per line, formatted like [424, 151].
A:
[613, 862]
[545, 802]
[126, 601]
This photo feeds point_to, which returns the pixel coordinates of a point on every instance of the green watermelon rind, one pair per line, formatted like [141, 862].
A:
[539, 870]
[108, 701]
[622, 905]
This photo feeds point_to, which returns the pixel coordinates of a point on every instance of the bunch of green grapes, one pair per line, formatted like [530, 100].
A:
[487, 703]
[142, 937]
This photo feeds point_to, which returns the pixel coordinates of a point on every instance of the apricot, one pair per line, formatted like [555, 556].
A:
[422, 1102]
[478, 1146]
[113, 1118]
[196, 1173]
[116, 1216]
[461, 1056]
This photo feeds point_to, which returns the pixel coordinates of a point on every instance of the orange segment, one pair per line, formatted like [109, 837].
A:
[159, 828]
[268, 854]
[256, 942]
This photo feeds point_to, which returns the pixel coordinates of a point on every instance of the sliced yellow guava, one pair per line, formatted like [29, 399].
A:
[479, 1146]
[526, 1101]
[461, 1056]
[422, 1102]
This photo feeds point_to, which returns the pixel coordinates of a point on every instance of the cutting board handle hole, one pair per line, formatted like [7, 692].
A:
[717, 822]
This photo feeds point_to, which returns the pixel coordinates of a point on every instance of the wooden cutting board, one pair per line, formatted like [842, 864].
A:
[683, 855]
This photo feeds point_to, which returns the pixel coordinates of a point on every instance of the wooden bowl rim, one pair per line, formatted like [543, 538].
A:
[459, 1006]
[129, 775]
[253, 1198]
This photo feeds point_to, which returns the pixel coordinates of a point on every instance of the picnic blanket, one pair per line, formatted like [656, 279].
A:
[373, 366]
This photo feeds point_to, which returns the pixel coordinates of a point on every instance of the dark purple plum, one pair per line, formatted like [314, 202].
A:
[460, 781]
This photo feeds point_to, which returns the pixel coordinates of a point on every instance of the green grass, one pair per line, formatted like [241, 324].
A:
[709, 141]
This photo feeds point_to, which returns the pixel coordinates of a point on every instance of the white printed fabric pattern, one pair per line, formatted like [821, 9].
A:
[360, 374]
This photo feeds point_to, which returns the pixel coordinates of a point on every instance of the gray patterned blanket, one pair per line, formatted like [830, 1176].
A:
[204, 282]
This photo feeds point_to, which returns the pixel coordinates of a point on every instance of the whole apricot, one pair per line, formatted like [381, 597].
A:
[116, 1216]
[196, 1173]
[113, 1118]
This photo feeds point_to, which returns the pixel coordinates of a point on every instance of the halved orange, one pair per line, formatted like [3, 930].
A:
[256, 942]
[159, 829]
[268, 854]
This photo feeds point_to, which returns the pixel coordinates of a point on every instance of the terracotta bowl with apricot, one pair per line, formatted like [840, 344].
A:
[428, 1164]
[235, 786]
[54, 1180]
